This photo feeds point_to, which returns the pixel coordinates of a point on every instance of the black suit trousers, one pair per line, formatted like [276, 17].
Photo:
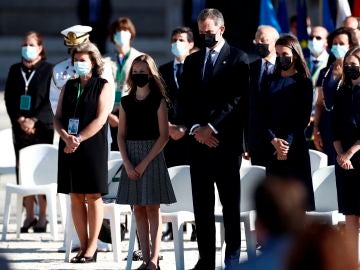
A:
[209, 166]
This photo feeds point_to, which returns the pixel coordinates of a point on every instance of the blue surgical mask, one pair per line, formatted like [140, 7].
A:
[82, 68]
[316, 47]
[339, 51]
[179, 48]
[122, 37]
[29, 52]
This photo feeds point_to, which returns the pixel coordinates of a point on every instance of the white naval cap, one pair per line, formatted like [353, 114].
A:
[76, 35]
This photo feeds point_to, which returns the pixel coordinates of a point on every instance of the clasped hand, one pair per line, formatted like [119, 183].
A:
[27, 125]
[134, 173]
[281, 147]
[204, 135]
[344, 161]
[72, 143]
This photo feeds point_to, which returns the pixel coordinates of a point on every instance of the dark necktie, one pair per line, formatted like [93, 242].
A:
[266, 71]
[179, 69]
[209, 67]
[315, 63]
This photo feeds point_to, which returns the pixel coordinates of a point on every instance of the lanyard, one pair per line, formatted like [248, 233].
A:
[27, 81]
[79, 93]
[120, 69]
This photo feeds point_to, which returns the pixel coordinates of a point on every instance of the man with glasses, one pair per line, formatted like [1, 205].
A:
[211, 101]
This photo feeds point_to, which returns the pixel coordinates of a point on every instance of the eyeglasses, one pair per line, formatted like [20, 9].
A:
[316, 37]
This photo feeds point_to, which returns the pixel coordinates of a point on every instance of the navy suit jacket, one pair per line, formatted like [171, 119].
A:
[221, 102]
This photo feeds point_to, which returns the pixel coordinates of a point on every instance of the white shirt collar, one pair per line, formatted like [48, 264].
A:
[322, 57]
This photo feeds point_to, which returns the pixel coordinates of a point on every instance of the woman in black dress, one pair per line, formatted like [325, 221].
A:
[80, 119]
[346, 130]
[28, 106]
[287, 102]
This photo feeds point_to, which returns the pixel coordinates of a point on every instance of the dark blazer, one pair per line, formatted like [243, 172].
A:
[221, 101]
[254, 136]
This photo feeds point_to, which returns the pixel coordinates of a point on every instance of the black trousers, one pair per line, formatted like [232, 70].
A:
[220, 166]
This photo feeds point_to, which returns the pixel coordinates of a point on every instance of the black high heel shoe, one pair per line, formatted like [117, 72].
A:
[39, 229]
[85, 259]
[25, 229]
[77, 258]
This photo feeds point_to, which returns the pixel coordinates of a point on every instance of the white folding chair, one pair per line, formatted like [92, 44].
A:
[112, 211]
[177, 213]
[114, 155]
[37, 175]
[325, 194]
[7, 157]
[250, 177]
[317, 160]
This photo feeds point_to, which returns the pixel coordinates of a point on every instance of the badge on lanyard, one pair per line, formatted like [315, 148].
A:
[73, 126]
[118, 94]
[25, 102]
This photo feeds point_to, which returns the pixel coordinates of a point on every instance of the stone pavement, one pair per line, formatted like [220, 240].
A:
[39, 251]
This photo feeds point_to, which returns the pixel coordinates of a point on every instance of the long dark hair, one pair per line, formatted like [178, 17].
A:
[353, 52]
[156, 82]
[292, 43]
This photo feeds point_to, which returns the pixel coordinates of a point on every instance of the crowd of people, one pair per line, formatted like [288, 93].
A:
[208, 107]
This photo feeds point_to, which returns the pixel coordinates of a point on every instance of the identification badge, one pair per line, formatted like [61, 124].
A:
[25, 102]
[118, 94]
[73, 126]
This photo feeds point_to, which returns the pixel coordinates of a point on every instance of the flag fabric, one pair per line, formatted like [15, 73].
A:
[343, 10]
[327, 20]
[301, 23]
[282, 16]
[356, 8]
[268, 15]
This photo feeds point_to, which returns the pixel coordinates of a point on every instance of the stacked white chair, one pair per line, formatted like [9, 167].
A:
[37, 175]
[177, 213]
[317, 160]
[7, 157]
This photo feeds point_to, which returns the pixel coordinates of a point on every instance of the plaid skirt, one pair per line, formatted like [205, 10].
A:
[154, 186]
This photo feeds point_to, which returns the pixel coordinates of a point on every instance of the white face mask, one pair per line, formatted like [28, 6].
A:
[29, 52]
[82, 68]
[122, 37]
[316, 47]
[179, 48]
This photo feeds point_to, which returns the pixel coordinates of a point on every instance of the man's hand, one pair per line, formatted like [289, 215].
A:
[204, 135]
[176, 132]
[281, 146]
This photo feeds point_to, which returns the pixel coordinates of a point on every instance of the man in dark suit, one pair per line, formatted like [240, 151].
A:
[211, 101]
[176, 150]
[264, 41]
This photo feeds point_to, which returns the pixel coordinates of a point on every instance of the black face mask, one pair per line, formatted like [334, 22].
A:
[208, 40]
[284, 62]
[140, 79]
[352, 72]
[262, 50]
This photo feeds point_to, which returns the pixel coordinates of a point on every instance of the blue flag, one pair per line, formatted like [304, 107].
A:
[327, 20]
[283, 16]
[302, 34]
[268, 15]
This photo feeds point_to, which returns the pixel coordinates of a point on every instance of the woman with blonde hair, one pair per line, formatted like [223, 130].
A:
[81, 120]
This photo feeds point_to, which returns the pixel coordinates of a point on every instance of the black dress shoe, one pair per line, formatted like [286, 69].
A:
[85, 259]
[77, 258]
[39, 229]
[193, 236]
[25, 229]
[167, 235]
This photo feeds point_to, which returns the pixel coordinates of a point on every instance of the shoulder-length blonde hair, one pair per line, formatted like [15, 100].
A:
[156, 82]
[94, 54]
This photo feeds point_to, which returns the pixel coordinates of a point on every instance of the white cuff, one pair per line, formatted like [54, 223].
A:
[213, 129]
[192, 128]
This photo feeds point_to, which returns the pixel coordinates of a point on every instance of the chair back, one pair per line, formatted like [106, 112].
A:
[114, 155]
[317, 160]
[250, 177]
[113, 167]
[324, 185]
[38, 164]
[181, 183]
[7, 157]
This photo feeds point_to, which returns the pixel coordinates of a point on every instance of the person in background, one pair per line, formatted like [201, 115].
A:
[346, 137]
[96, 13]
[353, 23]
[143, 132]
[211, 100]
[122, 33]
[327, 85]
[84, 104]
[280, 216]
[176, 150]
[320, 246]
[286, 109]
[265, 38]
[27, 104]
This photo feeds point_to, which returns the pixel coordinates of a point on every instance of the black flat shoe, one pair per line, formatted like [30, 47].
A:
[77, 258]
[25, 229]
[85, 259]
[39, 229]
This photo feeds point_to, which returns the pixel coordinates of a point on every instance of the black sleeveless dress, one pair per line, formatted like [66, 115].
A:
[85, 170]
